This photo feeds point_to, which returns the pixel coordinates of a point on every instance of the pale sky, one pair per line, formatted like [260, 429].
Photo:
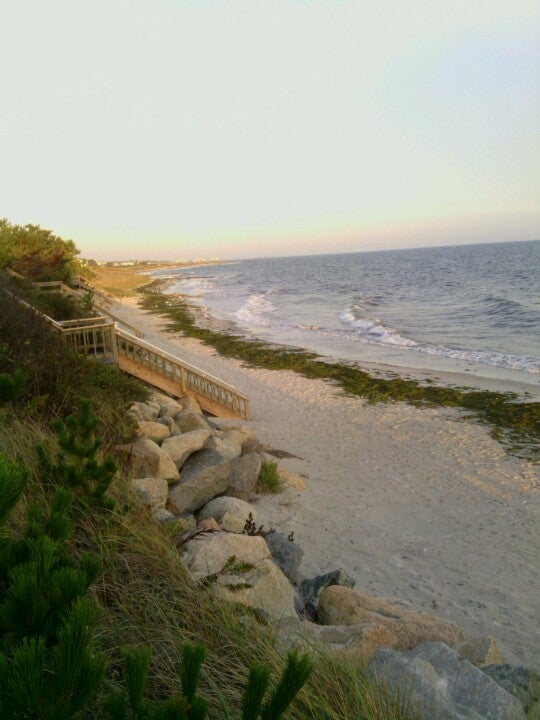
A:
[176, 128]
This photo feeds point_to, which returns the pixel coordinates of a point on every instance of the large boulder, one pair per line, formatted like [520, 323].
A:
[263, 588]
[180, 447]
[357, 642]
[161, 516]
[286, 553]
[145, 410]
[226, 444]
[186, 421]
[344, 606]
[231, 513]
[212, 553]
[152, 491]
[144, 458]
[154, 430]
[204, 476]
[190, 403]
[244, 474]
[311, 588]
[440, 685]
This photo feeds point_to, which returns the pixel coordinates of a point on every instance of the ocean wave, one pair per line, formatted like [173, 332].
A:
[373, 332]
[254, 310]
[193, 286]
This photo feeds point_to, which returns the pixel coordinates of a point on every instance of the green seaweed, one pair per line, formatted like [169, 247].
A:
[516, 424]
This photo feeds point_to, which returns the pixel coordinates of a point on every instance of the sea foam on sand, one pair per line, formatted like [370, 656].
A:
[413, 503]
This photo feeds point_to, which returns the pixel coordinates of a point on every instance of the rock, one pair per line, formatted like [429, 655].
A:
[263, 588]
[169, 409]
[312, 588]
[186, 421]
[359, 641]
[253, 445]
[203, 462]
[180, 447]
[190, 403]
[209, 554]
[519, 681]
[168, 422]
[344, 606]
[286, 554]
[231, 513]
[209, 525]
[441, 685]
[292, 480]
[152, 491]
[144, 458]
[167, 405]
[186, 521]
[227, 445]
[153, 430]
[162, 516]
[480, 651]
[243, 478]
[146, 410]
[204, 476]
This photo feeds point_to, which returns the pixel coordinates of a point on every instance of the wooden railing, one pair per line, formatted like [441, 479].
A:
[59, 286]
[99, 337]
[168, 372]
[92, 336]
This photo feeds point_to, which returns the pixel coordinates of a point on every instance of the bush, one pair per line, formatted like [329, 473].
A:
[56, 377]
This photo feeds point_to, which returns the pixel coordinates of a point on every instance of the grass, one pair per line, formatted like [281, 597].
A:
[513, 422]
[146, 598]
[269, 480]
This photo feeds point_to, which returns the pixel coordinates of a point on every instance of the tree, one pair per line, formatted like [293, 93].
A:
[36, 253]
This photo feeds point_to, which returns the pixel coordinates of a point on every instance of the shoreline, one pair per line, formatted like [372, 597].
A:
[412, 502]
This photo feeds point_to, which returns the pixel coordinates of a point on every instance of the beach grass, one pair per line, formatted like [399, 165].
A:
[269, 480]
[512, 420]
[146, 598]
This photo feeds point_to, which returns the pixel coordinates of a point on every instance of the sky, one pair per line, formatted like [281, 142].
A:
[175, 129]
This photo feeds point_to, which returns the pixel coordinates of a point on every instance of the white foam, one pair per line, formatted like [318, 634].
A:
[192, 286]
[255, 309]
[373, 332]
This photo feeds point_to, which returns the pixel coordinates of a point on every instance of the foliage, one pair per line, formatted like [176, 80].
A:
[512, 421]
[269, 480]
[36, 253]
[56, 377]
[11, 386]
[48, 667]
[78, 466]
[62, 307]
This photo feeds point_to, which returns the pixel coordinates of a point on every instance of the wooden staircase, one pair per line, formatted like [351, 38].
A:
[101, 338]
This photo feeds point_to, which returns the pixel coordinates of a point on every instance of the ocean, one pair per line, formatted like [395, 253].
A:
[467, 307]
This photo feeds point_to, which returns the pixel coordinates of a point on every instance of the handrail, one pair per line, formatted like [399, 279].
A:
[146, 361]
[103, 338]
[172, 358]
[62, 287]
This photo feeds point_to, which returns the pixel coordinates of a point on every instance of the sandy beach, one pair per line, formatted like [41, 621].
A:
[414, 504]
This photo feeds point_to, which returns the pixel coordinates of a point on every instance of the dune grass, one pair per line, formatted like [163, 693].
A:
[269, 480]
[513, 421]
[147, 599]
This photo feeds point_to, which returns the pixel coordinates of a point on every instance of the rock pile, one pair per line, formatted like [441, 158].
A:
[201, 475]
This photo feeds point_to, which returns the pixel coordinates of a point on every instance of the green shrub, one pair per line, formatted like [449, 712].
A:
[269, 480]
